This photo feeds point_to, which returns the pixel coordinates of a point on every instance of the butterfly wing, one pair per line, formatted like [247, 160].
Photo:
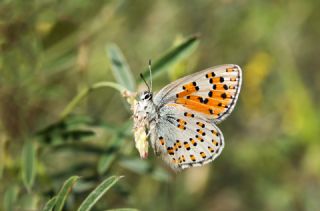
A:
[185, 139]
[212, 92]
[185, 134]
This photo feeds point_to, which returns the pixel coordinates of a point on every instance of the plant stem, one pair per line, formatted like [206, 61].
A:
[85, 92]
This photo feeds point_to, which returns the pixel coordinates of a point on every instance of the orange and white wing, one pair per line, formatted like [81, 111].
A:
[212, 92]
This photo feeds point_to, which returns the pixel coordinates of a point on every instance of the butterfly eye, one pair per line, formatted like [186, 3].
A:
[147, 96]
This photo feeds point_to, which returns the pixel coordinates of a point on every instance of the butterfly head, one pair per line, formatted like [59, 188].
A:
[145, 108]
[146, 95]
[145, 104]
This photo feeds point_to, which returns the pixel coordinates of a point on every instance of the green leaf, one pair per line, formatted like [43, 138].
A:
[120, 67]
[107, 159]
[161, 174]
[84, 186]
[80, 147]
[10, 197]
[50, 204]
[173, 56]
[123, 209]
[97, 193]
[74, 121]
[104, 163]
[64, 191]
[28, 164]
[136, 165]
[28, 201]
[2, 155]
[77, 134]
[72, 128]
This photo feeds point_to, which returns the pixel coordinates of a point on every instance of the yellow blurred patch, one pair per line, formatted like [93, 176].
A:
[44, 27]
[255, 73]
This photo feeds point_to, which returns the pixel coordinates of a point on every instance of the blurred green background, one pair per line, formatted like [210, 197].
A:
[52, 50]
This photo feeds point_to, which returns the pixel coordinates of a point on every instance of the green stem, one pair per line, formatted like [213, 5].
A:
[85, 92]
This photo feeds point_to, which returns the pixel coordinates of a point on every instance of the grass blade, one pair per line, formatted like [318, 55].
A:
[120, 67]
[10, 197]
[97, 193]
[108, 158]
[173, 56]
[105, 162]
[2, 155]
[123, 209]
[28, 164]
[137, 165]
[50, 204]
[64, 191]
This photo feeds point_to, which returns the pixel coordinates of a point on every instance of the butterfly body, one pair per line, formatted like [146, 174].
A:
[181, 118]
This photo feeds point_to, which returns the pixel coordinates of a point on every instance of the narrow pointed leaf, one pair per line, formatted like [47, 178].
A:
[64, 192]
[109, 157]
[10, 197]
[123, 209]
[97, 193]
[136, 165]
[2, 155]
[173, 56]
[50, 204]
[28, 164]
[104, 163]
[120, 67]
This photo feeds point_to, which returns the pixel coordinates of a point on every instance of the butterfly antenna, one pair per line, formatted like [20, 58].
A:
[150, 74]
[145, 81]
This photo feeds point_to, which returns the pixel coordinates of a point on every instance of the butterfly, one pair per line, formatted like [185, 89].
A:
[181, 118]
